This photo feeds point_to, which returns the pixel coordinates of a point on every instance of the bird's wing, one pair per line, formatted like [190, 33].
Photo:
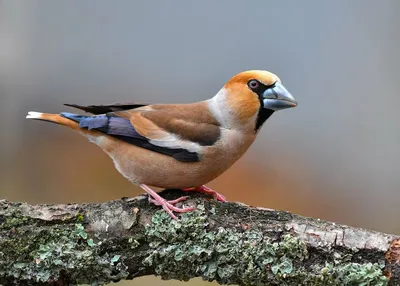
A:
[179, 131]
[191, 123]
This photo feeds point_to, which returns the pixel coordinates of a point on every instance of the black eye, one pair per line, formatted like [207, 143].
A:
[253, 84]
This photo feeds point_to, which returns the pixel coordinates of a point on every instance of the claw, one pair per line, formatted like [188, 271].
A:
[168, 206]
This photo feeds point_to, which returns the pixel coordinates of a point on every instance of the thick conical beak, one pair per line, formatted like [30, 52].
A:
[278, 97]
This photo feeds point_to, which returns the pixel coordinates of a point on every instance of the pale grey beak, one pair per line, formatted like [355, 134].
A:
[278, 97]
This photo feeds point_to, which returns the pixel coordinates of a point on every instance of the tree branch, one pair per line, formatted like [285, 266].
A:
[227, 242]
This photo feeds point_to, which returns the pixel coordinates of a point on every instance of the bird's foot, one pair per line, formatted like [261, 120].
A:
[206, 190]
[168, 206]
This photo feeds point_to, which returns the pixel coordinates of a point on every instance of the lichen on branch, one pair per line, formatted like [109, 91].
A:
[225, 242]
[182, 250]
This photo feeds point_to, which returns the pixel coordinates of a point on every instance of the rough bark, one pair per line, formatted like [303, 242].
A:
[230, 243]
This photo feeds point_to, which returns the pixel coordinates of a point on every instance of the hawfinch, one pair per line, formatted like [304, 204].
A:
[181, 146]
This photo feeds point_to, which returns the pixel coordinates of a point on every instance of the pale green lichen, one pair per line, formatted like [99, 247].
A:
[352, 274]
[80, 231]
[176, 249]
[46, 254]
[55, 254]
[187, 248]
[90, 242]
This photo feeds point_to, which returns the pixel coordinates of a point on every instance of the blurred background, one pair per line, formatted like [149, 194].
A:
[335, 157]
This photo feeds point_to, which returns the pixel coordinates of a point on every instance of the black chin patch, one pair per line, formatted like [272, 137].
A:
[263, 115]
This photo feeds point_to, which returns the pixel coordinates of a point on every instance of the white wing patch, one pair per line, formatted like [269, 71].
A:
[174, 142]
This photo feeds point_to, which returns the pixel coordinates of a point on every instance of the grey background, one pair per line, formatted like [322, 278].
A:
[335, 156]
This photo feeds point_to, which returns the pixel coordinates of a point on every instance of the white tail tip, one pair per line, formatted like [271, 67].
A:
[34, 114]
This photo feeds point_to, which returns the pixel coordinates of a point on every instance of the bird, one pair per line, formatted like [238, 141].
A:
[180, 146]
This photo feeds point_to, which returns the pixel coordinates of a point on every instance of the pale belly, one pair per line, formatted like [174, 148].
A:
[147, 167]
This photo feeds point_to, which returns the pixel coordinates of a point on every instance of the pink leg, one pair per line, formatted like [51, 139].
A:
[206, 190]
[168, 206]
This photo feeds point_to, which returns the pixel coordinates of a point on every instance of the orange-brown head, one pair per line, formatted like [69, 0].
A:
[254, 95]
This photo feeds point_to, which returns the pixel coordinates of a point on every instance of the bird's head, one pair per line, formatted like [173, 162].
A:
[254, 95]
